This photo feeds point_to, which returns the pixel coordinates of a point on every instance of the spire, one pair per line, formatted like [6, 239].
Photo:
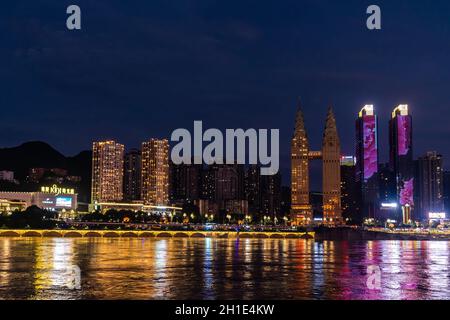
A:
[330, 131]
[299, 121]
[330, 123]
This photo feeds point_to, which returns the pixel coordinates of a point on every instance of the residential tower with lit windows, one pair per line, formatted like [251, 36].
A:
[107, 171]
[155, 172]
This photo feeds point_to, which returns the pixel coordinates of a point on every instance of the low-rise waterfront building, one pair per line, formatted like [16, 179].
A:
[50, 198]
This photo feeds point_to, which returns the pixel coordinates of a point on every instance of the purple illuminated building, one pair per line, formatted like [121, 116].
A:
[367, 162]
[401, 159]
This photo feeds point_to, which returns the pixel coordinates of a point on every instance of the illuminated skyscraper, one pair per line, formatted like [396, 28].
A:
[367, 162]
[155, 172]
[401, 158]
[107, 171]
[429, 185]
[331, 172]
[301, 210]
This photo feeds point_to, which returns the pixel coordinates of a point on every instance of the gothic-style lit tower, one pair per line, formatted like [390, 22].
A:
[331, 152]
[301, 210]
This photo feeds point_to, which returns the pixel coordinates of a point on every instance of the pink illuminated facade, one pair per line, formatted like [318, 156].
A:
[401, 159]
[367, 162]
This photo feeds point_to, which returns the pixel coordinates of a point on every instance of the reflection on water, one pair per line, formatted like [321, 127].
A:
[222, 269]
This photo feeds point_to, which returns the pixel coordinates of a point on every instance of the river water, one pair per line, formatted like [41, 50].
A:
[48, 268]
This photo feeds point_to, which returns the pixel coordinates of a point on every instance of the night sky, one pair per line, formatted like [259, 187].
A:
[140, 69]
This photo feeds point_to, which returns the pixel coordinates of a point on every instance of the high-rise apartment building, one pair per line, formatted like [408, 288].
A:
[253, 188]
[155, 172]
[107, 171]
[132, 175]
[349, 195]
[208, 182]
[429, 185]
[229, 182]
[223, 189]
[185, 182]
[263, 193]
[270, 195]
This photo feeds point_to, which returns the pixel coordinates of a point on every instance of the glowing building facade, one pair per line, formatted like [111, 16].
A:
[301, 210]
[107, 171]
[367, 162]
[155, 172]
[401, 159]
[331, 172]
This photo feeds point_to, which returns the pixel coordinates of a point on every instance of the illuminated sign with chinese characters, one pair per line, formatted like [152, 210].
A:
[56, 190]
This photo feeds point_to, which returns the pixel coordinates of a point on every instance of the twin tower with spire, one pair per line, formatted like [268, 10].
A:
[301, 155]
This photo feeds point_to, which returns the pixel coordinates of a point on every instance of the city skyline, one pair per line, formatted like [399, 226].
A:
[357, 192]
[382, 146]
